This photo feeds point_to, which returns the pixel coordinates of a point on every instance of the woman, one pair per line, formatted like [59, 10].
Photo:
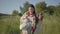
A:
[30, 18]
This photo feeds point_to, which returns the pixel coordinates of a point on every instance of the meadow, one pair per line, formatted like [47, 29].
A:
[10, 25]
[51, 24]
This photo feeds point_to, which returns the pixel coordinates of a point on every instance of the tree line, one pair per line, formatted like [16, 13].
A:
[39, 7]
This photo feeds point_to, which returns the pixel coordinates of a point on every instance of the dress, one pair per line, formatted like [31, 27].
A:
[26, 23]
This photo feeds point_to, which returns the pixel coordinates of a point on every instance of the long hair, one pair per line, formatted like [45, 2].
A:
[30, 5]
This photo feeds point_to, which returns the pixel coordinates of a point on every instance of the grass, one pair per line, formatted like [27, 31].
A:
[51, 25]
[9, 25]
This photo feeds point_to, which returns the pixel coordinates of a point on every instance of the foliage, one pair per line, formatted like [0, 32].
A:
[57, 10]
[15, 12]
[24, 8]
[51, 9]
[20, 14]
[40, 6]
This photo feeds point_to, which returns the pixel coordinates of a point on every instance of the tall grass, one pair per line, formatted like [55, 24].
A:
[51, 25]
[9, 25]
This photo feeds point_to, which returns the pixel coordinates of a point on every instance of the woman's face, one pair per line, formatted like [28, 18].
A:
[31, 9]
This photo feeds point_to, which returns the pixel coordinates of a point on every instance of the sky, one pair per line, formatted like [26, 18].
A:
[7, 6]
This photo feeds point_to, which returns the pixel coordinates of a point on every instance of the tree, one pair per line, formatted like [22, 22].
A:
[15, 12]
[57, 10]
[51, 9]
[41, 6]
[20, 14]
[24, 8]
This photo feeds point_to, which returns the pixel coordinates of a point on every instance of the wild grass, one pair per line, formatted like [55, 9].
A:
[9, 25]
[51, 25]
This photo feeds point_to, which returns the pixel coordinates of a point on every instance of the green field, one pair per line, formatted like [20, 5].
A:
[51, 25]
[10, 25]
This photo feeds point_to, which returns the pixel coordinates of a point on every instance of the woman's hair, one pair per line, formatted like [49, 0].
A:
[30, 5]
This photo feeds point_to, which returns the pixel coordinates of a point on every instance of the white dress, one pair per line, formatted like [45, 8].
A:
[25, 25]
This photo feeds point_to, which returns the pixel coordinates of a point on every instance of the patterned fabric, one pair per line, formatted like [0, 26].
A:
[32, 18]
[27, 21]
[25, 24]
